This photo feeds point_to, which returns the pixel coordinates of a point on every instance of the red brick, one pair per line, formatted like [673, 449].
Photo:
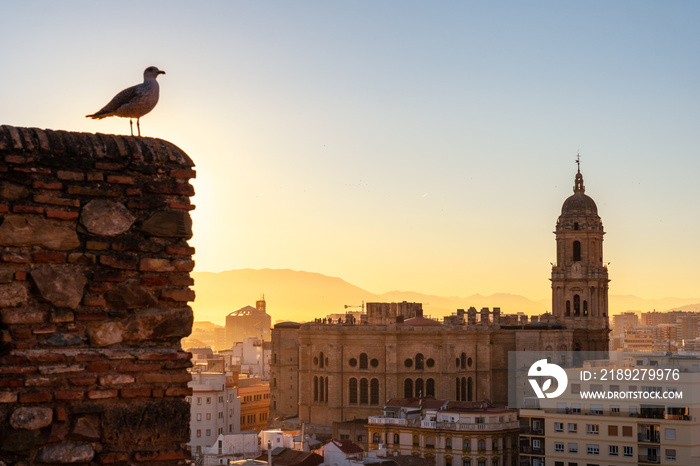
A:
[62, 215]
[163, 455]
[181, 206]
[70, 176]
[108, 166]
[120, 179]
[165, 356]
[98, 367]
[61, 415]
[158, 393]
[152, 264]
[98, 245]
[98, 288]
[11, 383]
[27, 209]
[125, 262]
[72, 395]
[19, 369]
[114, 457]
[180, 250]
[42, 185]
[177, 377]
[89, 191]
[154, 281]
[182, 295]
[44, 331]
[135, 392]
[102, 394]
[94, 301]
[183, 265]
[47, 357]
[95, 177]
[178, 391]
[183, 173]
[16, 257]
[136, 367]
[181, 281]
[20, 275]
[83, 380]
[133, 191]
[56, 200]
[137, 205]
[108, 277]
[4, 208]
[17, 159]
[90, 314]
[40, 171]
[88, 357]
[49, 257]
[35, 397]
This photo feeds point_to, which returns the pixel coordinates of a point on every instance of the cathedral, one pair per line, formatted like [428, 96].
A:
[326, 371]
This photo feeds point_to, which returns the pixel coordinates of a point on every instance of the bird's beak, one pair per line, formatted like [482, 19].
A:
[161, 72]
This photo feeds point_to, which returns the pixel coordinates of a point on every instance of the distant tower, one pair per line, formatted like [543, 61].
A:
[580, 277]
[260, 305]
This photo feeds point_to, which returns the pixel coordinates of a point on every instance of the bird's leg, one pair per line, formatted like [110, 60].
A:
[138, 126]
[131, 125]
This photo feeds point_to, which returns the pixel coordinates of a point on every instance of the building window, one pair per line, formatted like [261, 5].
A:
[559, 427]
[352, 398]
[627, 451]
[612, 431]
[482, 445]
[612, 450]
[573, 448]
[558, 446]
[670, 454]
[466, 444]
[577, 305]
[363, 361]
[429, 442]
[208, 400]
[627, 431]
[396, 439]
[568, 307]
[577, 251]
[320, 360]
[199, 416]
[419, 388]
[448, 443]
[315, 388]
[208, 432]
[592, 429]
[364, 392]
[670, 434]
[199, 432]
[208, 416]
[408, 362]
[463, 361]
[408, 388]
[376, 438]
[352, 362]
[374, 392]
[430, 388]
[469, 389]
[592, 449]
[419, 361]
[374, 362]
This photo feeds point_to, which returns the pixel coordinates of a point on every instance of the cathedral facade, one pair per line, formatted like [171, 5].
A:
[327, 371]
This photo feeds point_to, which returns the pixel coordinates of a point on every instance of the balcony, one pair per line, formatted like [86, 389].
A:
[390, 421]
[646, 438]
[494, 426]
[527, 430]
[650, 459]
[531, 450]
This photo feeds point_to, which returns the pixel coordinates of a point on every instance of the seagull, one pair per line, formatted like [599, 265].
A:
[134, 101]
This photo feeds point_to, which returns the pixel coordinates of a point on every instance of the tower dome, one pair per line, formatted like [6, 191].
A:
[579, 203]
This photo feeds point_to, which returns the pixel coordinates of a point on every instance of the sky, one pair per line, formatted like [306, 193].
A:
[399, 145]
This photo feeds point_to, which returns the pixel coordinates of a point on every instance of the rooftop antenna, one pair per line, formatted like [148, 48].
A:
[578, 160]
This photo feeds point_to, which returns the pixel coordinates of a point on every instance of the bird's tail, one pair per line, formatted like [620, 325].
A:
[96, 116]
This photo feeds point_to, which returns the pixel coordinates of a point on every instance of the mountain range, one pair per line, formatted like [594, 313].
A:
[302, 296]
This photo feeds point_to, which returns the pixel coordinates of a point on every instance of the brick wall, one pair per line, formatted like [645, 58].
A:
[94, 286]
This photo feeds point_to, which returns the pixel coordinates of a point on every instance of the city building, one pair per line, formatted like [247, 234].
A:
[452, 433]
[619, 325]
[248, 322]
[215, 409]
[228, 448]
[571, 430]
[347, 370]
[254, 394]
[341, 452]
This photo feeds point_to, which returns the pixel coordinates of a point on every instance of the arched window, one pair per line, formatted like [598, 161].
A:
[419, 361]
[326, 389]
[408, 388]
[577, 251]
[315, 388]
[585, 307]
[320, 360]
[352, 396]
[396, 438]
[374, 392]
[429, 442]
[430, 388]
[577, 305]
[482, 445]
[420, 392]
[376, 438]
[363, 361]
[416, 441]
[469, 390]
[568, 307]
[467, 444]
[463, 360]
[321, 396]
[448, 443]
[364, 392]
[458, 391]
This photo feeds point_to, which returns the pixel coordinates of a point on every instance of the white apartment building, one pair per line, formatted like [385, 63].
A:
[572, 431]
[215, 409]
[231, 447]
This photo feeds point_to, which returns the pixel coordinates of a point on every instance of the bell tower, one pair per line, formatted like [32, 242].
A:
[580, 277]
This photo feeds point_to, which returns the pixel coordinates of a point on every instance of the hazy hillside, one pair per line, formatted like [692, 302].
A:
[302, 296]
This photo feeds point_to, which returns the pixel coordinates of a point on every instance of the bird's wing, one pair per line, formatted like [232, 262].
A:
[124, 97]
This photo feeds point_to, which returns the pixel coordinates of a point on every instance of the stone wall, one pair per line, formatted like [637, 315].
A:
[94, 286]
